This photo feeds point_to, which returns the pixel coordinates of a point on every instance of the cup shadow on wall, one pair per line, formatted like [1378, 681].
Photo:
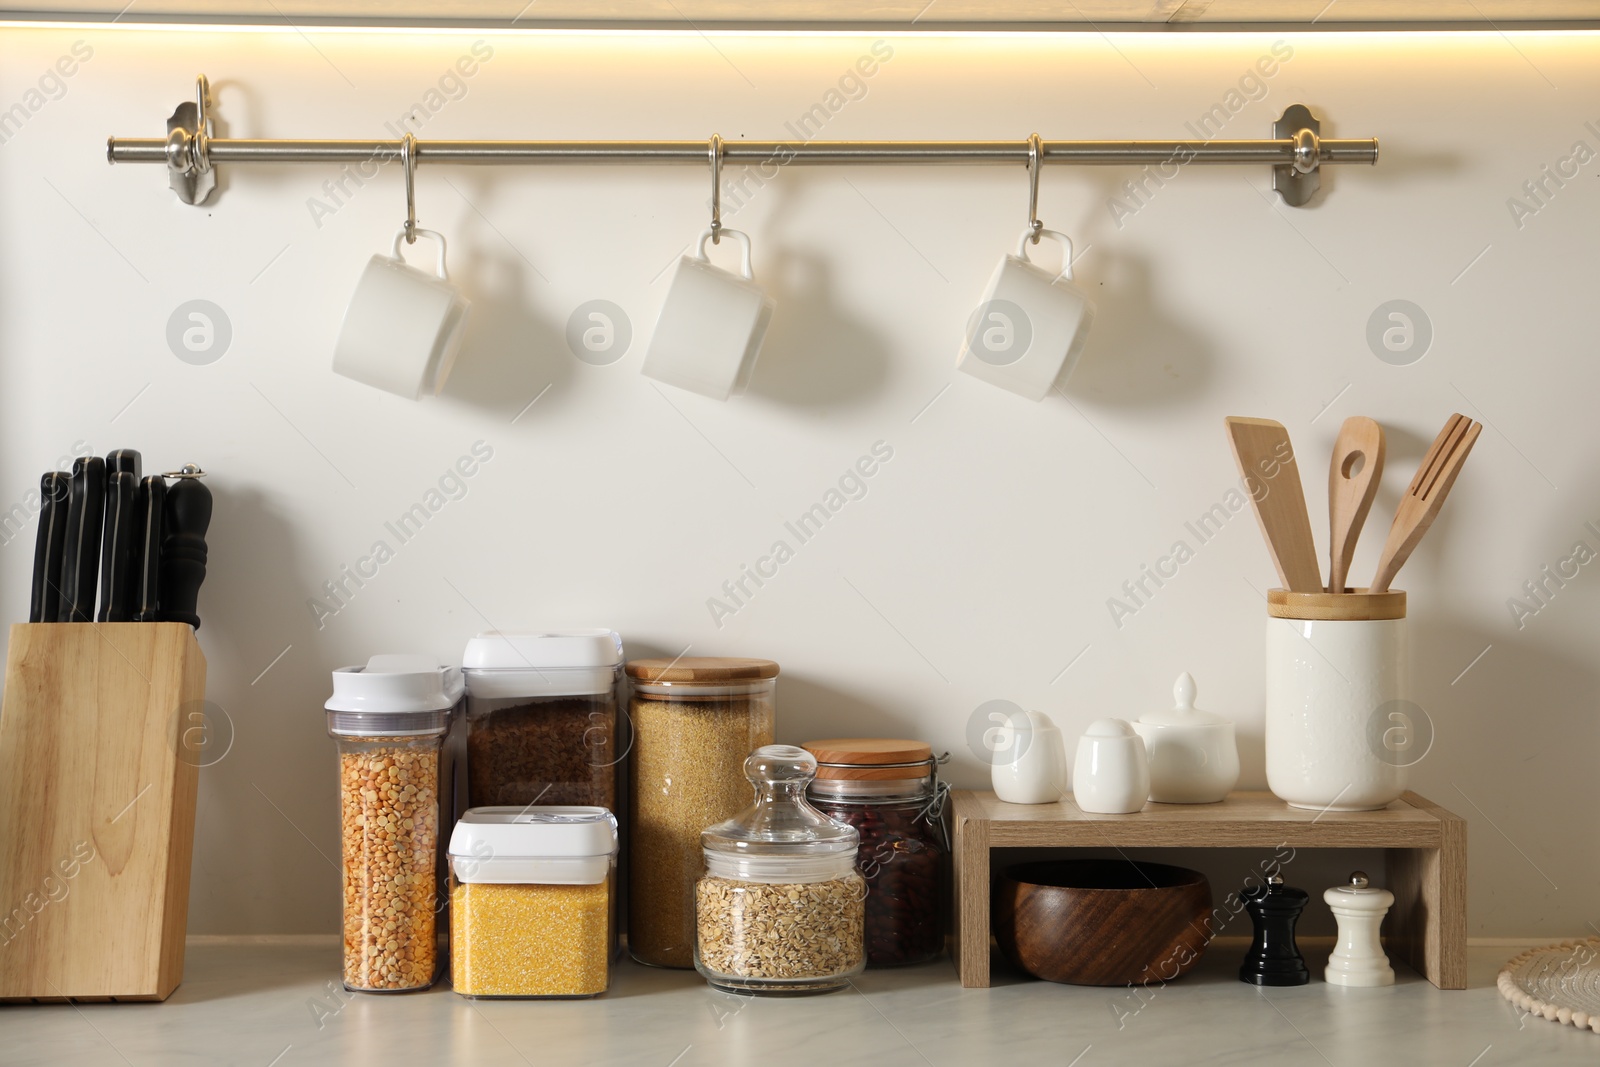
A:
[1137, 354]
[815, 355]
[511, 352]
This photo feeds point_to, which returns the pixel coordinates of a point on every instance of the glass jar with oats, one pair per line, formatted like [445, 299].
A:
[781, 908]
[531, 902]
[390, 719]
[694, 722]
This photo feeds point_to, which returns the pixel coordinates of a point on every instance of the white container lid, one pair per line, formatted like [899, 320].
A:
[534, 845]
[515, 663]
[1183, 712]
[394, 694]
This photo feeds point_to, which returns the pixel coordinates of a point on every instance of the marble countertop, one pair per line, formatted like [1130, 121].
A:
[277, 1003]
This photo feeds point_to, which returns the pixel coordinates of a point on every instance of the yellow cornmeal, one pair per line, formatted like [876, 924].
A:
[530, 940]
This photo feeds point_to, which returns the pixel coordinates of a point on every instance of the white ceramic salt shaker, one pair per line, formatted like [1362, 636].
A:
[1111, 775]
[1030, 760]
[1193, 756]
[1358, 959]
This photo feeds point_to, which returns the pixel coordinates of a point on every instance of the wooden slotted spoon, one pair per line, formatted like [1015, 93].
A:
[1425, 496]
[1352, 483]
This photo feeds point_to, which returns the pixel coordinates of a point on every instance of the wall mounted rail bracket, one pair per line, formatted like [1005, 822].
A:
[1298, 180]
[1296, 152]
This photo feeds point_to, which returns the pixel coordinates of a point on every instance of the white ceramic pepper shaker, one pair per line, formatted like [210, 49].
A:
[1358, 959]
[1111, 775]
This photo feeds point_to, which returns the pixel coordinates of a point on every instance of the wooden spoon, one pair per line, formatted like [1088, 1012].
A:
[1352, 483]
[1266, 460]
[1425, 496]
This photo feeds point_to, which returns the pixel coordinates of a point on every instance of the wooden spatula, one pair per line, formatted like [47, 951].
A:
[1352, 483]
[1266, 460]
[1425, 496]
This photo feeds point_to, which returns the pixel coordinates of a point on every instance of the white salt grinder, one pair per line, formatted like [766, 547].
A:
[1358, 959]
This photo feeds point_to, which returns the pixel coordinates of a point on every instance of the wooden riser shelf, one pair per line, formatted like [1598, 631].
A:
[1425, 848]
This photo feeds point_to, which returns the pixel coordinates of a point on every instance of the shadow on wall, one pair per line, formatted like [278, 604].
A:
[256, 585]
[1137, 355]
[810, 710]
[815, 355]
[512, 352]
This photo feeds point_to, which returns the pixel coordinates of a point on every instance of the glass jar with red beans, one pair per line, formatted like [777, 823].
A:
[889, 790]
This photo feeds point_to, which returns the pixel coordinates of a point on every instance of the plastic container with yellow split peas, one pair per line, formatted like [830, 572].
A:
[531, 905]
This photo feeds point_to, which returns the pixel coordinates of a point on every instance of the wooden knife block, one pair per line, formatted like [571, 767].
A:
[97, 797]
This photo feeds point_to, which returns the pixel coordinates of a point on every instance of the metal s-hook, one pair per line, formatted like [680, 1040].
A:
[408, 160]
[1035, 162]
[716, 189]
[202, 127]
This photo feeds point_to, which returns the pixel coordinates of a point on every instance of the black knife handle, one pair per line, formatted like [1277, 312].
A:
[126, 459]
[46, 603]
[147, 571]
[86, 505]
[183, 549]
[117, 548]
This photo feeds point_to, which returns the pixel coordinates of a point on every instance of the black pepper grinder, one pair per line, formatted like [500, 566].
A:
[1274, 959]
[185, 518]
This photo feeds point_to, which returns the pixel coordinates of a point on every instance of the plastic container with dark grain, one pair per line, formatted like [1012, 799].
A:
[542, 718]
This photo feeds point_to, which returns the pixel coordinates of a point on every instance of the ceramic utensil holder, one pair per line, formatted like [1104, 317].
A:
[101, 741]
[1336, 673]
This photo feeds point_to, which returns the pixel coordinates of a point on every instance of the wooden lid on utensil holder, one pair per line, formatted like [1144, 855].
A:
[1358, 605]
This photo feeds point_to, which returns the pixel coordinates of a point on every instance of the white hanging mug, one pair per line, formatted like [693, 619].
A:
[709, 333]
[404, 326]
[1030, 328]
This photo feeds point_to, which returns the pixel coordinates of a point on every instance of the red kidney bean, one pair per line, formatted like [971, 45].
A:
[901, 858]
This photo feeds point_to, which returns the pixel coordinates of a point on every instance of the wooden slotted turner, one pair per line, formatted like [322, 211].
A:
[1350, 492]
[1266, 460]
[1425, 496]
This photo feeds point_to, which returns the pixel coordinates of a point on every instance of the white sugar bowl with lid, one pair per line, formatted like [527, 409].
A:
[1194, 758]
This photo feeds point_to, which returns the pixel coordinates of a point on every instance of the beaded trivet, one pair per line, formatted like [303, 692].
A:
[1557, 982]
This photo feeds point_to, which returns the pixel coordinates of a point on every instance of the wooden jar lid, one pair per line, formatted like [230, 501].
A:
[1358, 605]
[870, 758]
[706, 670]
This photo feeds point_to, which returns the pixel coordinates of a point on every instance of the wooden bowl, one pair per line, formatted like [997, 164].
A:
[1102, 922]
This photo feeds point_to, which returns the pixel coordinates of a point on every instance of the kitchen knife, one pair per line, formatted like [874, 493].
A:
[117, 547]
[125, 459]
[86, 504]
[184, 521]
[147, 569]
[52, 540]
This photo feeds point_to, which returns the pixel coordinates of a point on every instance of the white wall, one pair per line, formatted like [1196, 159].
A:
[980, 561]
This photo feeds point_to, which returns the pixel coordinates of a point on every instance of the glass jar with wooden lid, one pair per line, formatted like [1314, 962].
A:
[889, 790]
[695, 720]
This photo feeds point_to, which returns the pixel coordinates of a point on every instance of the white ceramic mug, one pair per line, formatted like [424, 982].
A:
[1030, 328]
[1340, 732]
[404, 326]
[709, 333]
